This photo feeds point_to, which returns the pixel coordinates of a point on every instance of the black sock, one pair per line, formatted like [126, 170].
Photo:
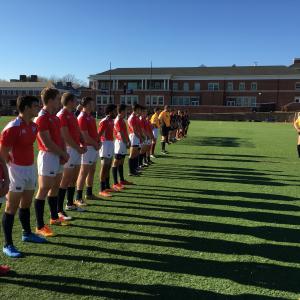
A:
[103, 186]
[121, 172]
[298, 149]
[141, 156]
[70, 195]
[52, 201]
[145, 158]
[131, 165]
[24, 216]
[89, 190]
[136, 163]
[61, 199]
[115, 174]
[163, 146]
[79, 195]
[7, 224]
[107, 185]
[39, 206]
[148, 158]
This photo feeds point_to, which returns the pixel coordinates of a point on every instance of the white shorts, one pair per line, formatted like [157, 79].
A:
[74, 160]
[134, 140]
[107, 149]
[120, 147]
[90, 156]
[48, 164]
[155, 132]
[22, 178]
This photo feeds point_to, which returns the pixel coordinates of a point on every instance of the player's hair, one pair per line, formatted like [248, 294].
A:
[136, 106]
[48, 94]
[25, 101]
[110, 108]
[167, 106]
[156, 109]
[66, 98]
[121, 107]
[85, 101]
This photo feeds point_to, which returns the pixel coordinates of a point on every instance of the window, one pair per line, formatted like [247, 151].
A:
[132, 85]
[297, 99]
[155, 100]
[253, 86]
[229, 86]
[186, 86]
[213, 86]
[129, 99]
[185, 100]
[175, 86]
[242, 86]
[297, 86]
[104, 99]
[241, 101]
[197, 86]
[104, 85]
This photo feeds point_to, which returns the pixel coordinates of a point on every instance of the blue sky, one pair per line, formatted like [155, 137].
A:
[81, 37]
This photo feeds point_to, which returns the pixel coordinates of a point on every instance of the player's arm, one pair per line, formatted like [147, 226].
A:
[68, 139]
[50, 145]
[296, 126]
[88, 140]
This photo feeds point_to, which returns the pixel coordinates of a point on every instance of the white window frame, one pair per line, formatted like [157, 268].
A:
[229, 86]
[297, 86]
[297, 99]
[129, 99]
[104, 99]
[197, 86]
[242, 86]
[213, 86]
[175, 84]
[186, 86]
[254, 86]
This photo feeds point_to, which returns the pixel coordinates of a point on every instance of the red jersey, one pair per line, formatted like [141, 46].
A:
[148, 128]
[68, 119]
[120, 127]
[51, 123]
[133, 123]
[87, 123]
[106, 129]
[20, 137]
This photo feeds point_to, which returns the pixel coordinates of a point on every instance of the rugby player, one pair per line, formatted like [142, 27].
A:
[155, 129]
[16, 147]
[297, 127]
[164, 118]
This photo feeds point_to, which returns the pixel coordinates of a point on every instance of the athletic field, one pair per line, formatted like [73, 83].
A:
[219, 218]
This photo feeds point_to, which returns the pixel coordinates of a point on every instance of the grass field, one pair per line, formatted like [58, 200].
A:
[218, 218]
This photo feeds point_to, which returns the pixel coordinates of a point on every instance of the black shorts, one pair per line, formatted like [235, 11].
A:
[165, 130]
[119, 156]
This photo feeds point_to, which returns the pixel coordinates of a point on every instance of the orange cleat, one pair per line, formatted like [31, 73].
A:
[45, 231]
[118, 187]
[60, 222]
[105, 194]
[4, 270]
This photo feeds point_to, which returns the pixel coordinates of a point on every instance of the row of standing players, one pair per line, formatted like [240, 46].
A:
[69, 149]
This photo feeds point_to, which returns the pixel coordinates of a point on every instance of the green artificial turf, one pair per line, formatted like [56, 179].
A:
[218, 218]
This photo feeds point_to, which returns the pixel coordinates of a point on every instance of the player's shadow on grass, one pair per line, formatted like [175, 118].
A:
[67, 285]
[263, 275]
[226, 155]
[216, 141]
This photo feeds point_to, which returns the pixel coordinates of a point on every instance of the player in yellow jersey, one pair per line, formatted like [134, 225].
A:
[297, 127]
[165, 122]
[155, 128]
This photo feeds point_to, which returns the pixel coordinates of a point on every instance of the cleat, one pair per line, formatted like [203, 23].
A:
[145, 165]
[74, 208]
[33, 238]
[4, 270]
[153, 156]
[45, 231]
[64, 216]
[11, 251]
[125, 182]
[121, 186]
[110, 190]
[105, 194]
[80, 203]
[163, 152]
[92, 197]
[117, 187]
[59, 222]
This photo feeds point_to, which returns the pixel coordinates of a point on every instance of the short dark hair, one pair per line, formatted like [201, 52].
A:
[136, 106]
[110, 108]
[121, 107]
[48, 94]
[25, 101]
[167, 106]
[85, 101]
[66, 98]
[156, 109]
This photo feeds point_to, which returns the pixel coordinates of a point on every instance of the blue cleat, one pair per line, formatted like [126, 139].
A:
[11, 251]
[33, 238]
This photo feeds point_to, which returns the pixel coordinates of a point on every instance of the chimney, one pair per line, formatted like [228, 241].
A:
[33, 78]
[296, 61]
[23, 78]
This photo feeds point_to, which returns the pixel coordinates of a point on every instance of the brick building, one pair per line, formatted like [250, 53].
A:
[201, 89]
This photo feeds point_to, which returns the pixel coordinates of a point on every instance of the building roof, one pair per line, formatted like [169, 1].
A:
[204, 71]
[27, 85]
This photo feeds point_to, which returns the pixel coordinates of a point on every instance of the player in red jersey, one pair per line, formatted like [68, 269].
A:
[144, 141]
[106, 135]
[16, 147]
[150, 138]
[4, 187]
[51, 151]
[135, 137]
[88, 127]
[71, 134]
[121, 145]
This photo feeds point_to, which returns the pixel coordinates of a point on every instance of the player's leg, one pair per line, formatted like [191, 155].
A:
[83, 173]
[90, 182]
[4, 269]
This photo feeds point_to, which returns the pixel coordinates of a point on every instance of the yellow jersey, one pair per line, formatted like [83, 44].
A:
[165, 118]
[155, 120]
[297, 122]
